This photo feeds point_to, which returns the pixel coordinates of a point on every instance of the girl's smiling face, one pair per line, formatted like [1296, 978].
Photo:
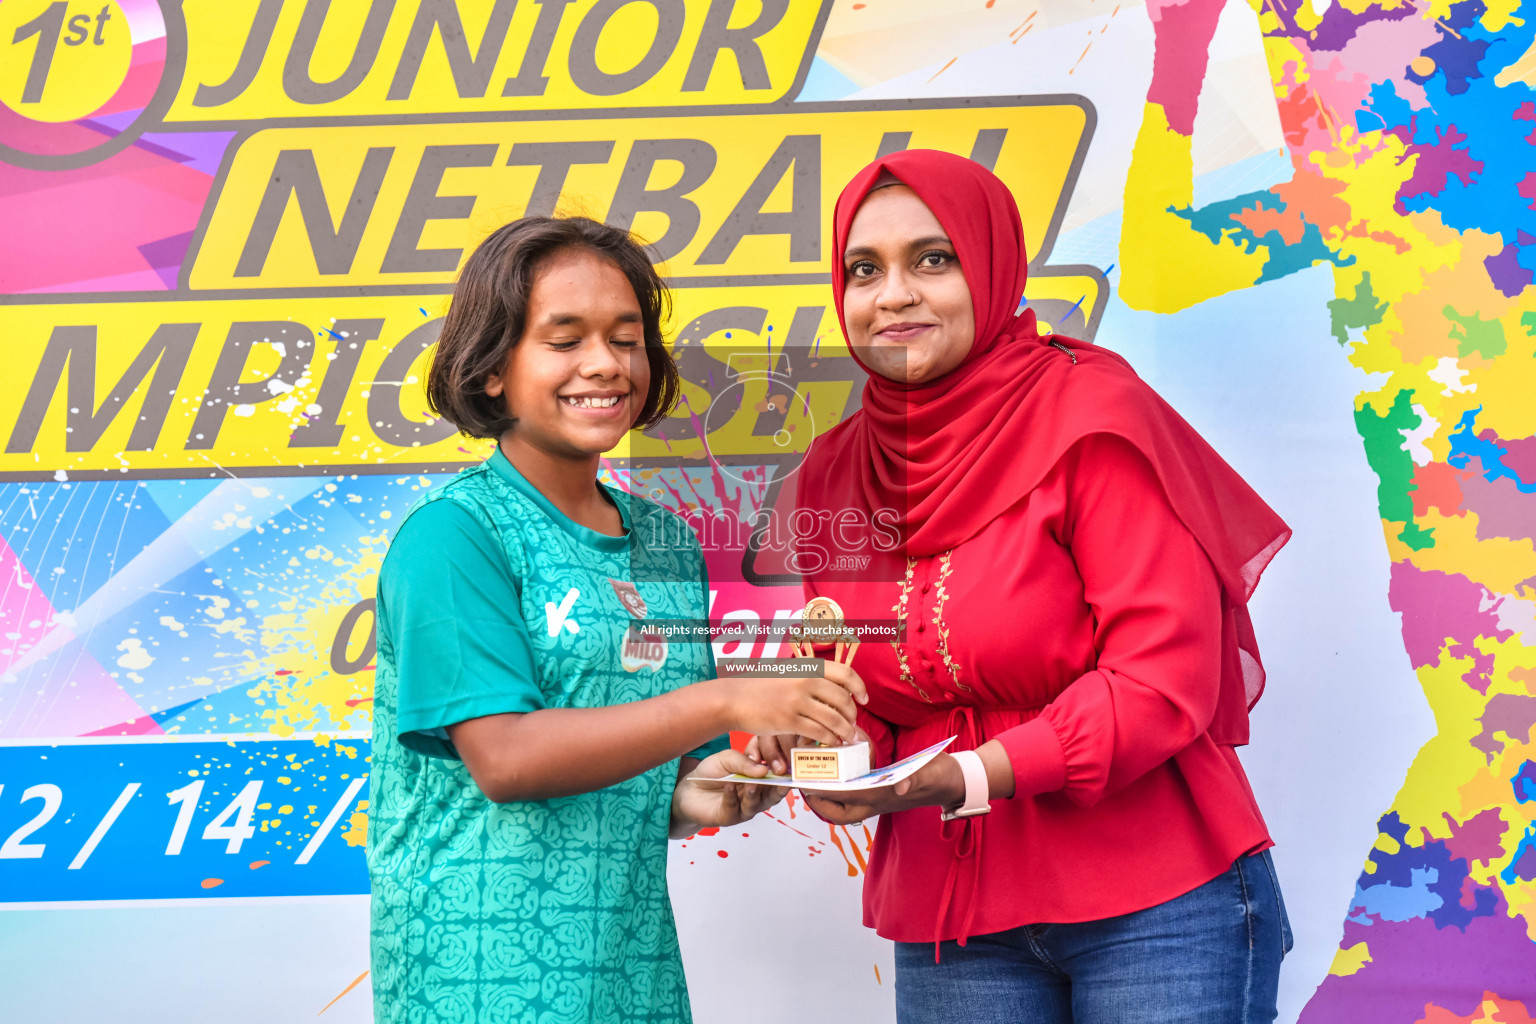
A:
[906, 305]
[577, 379]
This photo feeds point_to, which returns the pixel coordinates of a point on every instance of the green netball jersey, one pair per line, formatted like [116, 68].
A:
[490, 601]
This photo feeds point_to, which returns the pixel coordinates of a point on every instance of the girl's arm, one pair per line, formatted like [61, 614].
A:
[697, 801]
[774, 751]
[562, 751]
[451, 624]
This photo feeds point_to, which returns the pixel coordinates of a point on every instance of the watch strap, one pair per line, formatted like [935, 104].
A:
[977, 791]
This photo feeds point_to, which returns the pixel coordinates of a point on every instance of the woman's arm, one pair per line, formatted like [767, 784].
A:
[1158, 624]
[939, 782]
[1158, 620]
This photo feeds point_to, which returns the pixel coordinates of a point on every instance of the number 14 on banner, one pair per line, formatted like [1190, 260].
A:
[234, 824]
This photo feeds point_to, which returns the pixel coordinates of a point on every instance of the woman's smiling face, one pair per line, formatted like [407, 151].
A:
[578, 377]
[906, 305]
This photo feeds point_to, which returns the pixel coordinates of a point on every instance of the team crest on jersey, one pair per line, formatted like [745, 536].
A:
[640, 649]
[629, 596]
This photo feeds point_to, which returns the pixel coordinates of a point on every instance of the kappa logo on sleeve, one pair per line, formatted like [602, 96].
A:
[558, 618]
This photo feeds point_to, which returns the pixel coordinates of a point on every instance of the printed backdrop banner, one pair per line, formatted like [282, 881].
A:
[228, 236]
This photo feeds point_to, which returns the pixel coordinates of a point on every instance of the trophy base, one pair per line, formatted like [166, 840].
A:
[829, 764]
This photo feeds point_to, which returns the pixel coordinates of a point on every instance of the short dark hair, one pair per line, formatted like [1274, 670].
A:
[489, 314]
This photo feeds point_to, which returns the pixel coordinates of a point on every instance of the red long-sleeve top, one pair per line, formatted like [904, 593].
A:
[1083, 630]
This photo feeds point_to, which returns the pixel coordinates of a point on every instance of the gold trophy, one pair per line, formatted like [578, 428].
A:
[822, 622]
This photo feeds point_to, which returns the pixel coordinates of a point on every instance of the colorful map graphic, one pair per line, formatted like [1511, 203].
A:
[1411, 130]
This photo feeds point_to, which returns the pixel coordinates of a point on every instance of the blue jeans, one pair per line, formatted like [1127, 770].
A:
[1211, 956]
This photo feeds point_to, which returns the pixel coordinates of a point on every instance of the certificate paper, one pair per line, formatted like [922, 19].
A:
[887, 776]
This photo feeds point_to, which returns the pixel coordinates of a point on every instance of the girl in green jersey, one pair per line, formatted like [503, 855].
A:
[532, 751]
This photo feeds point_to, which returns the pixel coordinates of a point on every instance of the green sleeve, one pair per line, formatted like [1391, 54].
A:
[722, 742]
[460, 644]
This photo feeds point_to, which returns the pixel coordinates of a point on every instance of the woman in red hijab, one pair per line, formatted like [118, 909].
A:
[1071, 564]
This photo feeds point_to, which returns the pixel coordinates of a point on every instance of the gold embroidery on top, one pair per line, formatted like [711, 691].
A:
[940, 597]
[900, 608]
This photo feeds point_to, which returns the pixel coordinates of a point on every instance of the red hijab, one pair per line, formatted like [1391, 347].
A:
[950, 455]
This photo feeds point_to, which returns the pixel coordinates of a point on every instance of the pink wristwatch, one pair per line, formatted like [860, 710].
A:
[977, 792]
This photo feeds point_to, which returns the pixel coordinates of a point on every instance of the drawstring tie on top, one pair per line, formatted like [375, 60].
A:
[965, 836]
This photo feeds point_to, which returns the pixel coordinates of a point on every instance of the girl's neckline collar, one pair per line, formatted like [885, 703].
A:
[503, 468]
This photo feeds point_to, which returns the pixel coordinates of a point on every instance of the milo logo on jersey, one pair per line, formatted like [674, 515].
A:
[638, 649]
[641, 649]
